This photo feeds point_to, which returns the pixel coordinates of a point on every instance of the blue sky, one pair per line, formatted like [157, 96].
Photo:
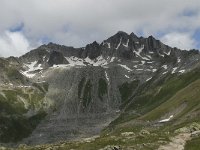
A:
[26, 24]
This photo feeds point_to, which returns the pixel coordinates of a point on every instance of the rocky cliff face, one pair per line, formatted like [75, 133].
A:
[82, 90]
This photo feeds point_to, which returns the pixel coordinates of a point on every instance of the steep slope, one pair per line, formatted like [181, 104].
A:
[22, 104]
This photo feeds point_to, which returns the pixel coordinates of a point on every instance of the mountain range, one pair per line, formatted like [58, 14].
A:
[55, 93]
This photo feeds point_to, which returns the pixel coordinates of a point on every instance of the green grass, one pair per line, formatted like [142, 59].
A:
[14, 75]
[193, 144]
[188, 97]
[156, 95]
[115, 138]
[151, 95]
[10, 104]
[14, 128]
[15, 106]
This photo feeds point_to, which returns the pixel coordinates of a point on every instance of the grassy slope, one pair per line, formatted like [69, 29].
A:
[156, 95]
[14, 125]
[188, 97]
[150, 96]
[194, 144]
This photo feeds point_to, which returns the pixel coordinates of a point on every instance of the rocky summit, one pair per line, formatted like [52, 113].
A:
[126, 87]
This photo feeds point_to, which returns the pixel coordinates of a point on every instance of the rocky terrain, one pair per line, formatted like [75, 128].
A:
[124, 92]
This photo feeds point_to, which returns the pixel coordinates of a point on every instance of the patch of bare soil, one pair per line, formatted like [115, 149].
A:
[177, 142]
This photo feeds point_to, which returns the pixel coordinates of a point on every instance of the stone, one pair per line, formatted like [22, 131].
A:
[195, 134]
[144, 132]
[127, 134]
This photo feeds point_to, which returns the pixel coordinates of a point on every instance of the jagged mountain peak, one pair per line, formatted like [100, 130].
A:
[56, 58]
[91, 50]
[134, 36]
[52, 46]
[95, 43]
[119, 35]
[121, 46]
[77, 84]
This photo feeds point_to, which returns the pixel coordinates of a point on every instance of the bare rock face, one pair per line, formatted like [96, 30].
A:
[56, 58]
[91, 50]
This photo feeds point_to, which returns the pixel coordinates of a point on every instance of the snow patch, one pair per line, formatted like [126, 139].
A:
[43, 58]
[108, 45]
[138, 53]
[74, 61]
[139, 69]
[181, 71]
[166, 120]
[164, 66]
[161, 55]
[112, 59]
[174, 70]
[164, 72]
[178, 59]
[168, 53]
[149, 56]
[28, 75]
[149, 79]
[100, 61]
[126, 45]
[143, 62]
[135, 66]
[127, 76]
[106, 74]
[154, 70]
[139, 50]
[124, 66]
[31, 68]
[119, 43]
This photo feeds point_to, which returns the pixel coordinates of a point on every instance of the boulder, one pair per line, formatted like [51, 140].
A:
[144, 132]
[195, 134]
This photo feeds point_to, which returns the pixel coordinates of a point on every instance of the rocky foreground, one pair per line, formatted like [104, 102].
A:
[131, 139]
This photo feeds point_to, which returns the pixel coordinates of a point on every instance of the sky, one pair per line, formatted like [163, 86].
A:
[27, 24]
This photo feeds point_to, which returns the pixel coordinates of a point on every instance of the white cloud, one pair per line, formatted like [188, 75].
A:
[78, 22]
[13, 43]
[180, 40]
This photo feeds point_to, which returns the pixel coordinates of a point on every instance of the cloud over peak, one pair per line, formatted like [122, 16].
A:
[78, 22]
[179, 40]
[13, 43]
